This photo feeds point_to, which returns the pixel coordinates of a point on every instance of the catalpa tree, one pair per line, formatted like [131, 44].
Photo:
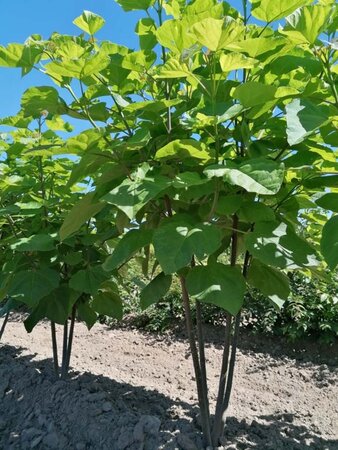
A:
[213, 146]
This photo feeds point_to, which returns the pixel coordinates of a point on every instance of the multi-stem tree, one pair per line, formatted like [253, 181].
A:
[213, 145]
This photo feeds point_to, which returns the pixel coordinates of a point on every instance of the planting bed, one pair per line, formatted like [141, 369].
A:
[136, 391]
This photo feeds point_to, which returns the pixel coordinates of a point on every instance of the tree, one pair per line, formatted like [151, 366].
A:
[216, 150]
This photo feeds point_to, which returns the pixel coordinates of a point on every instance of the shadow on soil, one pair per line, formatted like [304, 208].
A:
[91, 411]
[274, 432]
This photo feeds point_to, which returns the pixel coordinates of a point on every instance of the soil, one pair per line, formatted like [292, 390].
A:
[135, 391]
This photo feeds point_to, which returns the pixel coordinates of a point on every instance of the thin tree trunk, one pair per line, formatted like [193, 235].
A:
[4, 325]
[55, 349]
[203, 403]
[64, 350]
[218, 422]
[232, 362]
[201, 349]
[70, 339]
[231, 371]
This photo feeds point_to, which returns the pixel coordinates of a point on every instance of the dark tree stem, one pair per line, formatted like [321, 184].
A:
[201, 350]
[4, 325]
[218, 422]
[70, 339]
[201, 390]
[64, 350]
[55, 349]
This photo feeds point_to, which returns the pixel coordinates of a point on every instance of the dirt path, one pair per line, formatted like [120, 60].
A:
[136, 391]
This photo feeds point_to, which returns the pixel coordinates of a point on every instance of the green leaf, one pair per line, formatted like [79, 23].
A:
[155, 290]
[174, 69]
[82, 211]
[89, 22]
[38, 101]
[108, 303]
[32, 285]
[255, 212]
[235, 61]
[253, 93]
[86, 314]
[329, 202]
[56, 306]
[131, 5]
[19, 55]
[229, 204]
[219, 285]
[260, 48]
[276, 244]
[88, 280]
[146, 30]
[177, 240]
[130, 243]
[133, 194]
[304, 118]
[306, 24]
[59, 304]
[216, 34]
[269, 11]
[172, 34]
[262, 176]
[329, 242]
[271, 282]
[79, 68]
[184, 149]
[34, 243]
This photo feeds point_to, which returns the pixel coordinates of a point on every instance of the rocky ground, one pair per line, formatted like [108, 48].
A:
[134, 391]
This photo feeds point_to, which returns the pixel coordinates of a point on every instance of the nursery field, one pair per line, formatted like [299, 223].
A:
[132, 390]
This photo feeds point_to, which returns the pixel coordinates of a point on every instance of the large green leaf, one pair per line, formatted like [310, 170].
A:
[329, 242]
[235, 61]
[260, 175]
[155, 290]
[271, 282]
[108, 302]
[37, 101]
[79, 68]
[88, 280]
[86, 314]
[304, 118]
[177, 240]
[31, 285]
[255, 212]
[89, 22]
[329, 202]
[133, 194]
[130, 5]
[173, 35]
[253, 93]
[276, 244]
[268, 11]
[34, 243]
[146, 29]
[219, 285]
[184, 149]
[216, 34]
[306, 24]
[56, 306]
[82, 211]
[19, 55]
[130, 243]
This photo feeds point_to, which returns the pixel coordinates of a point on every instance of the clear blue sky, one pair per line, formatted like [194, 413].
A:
[21, 18]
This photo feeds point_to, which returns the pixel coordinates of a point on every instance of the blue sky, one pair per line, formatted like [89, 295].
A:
[21, 18]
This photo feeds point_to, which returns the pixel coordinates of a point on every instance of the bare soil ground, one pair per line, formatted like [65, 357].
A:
[136, 391]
